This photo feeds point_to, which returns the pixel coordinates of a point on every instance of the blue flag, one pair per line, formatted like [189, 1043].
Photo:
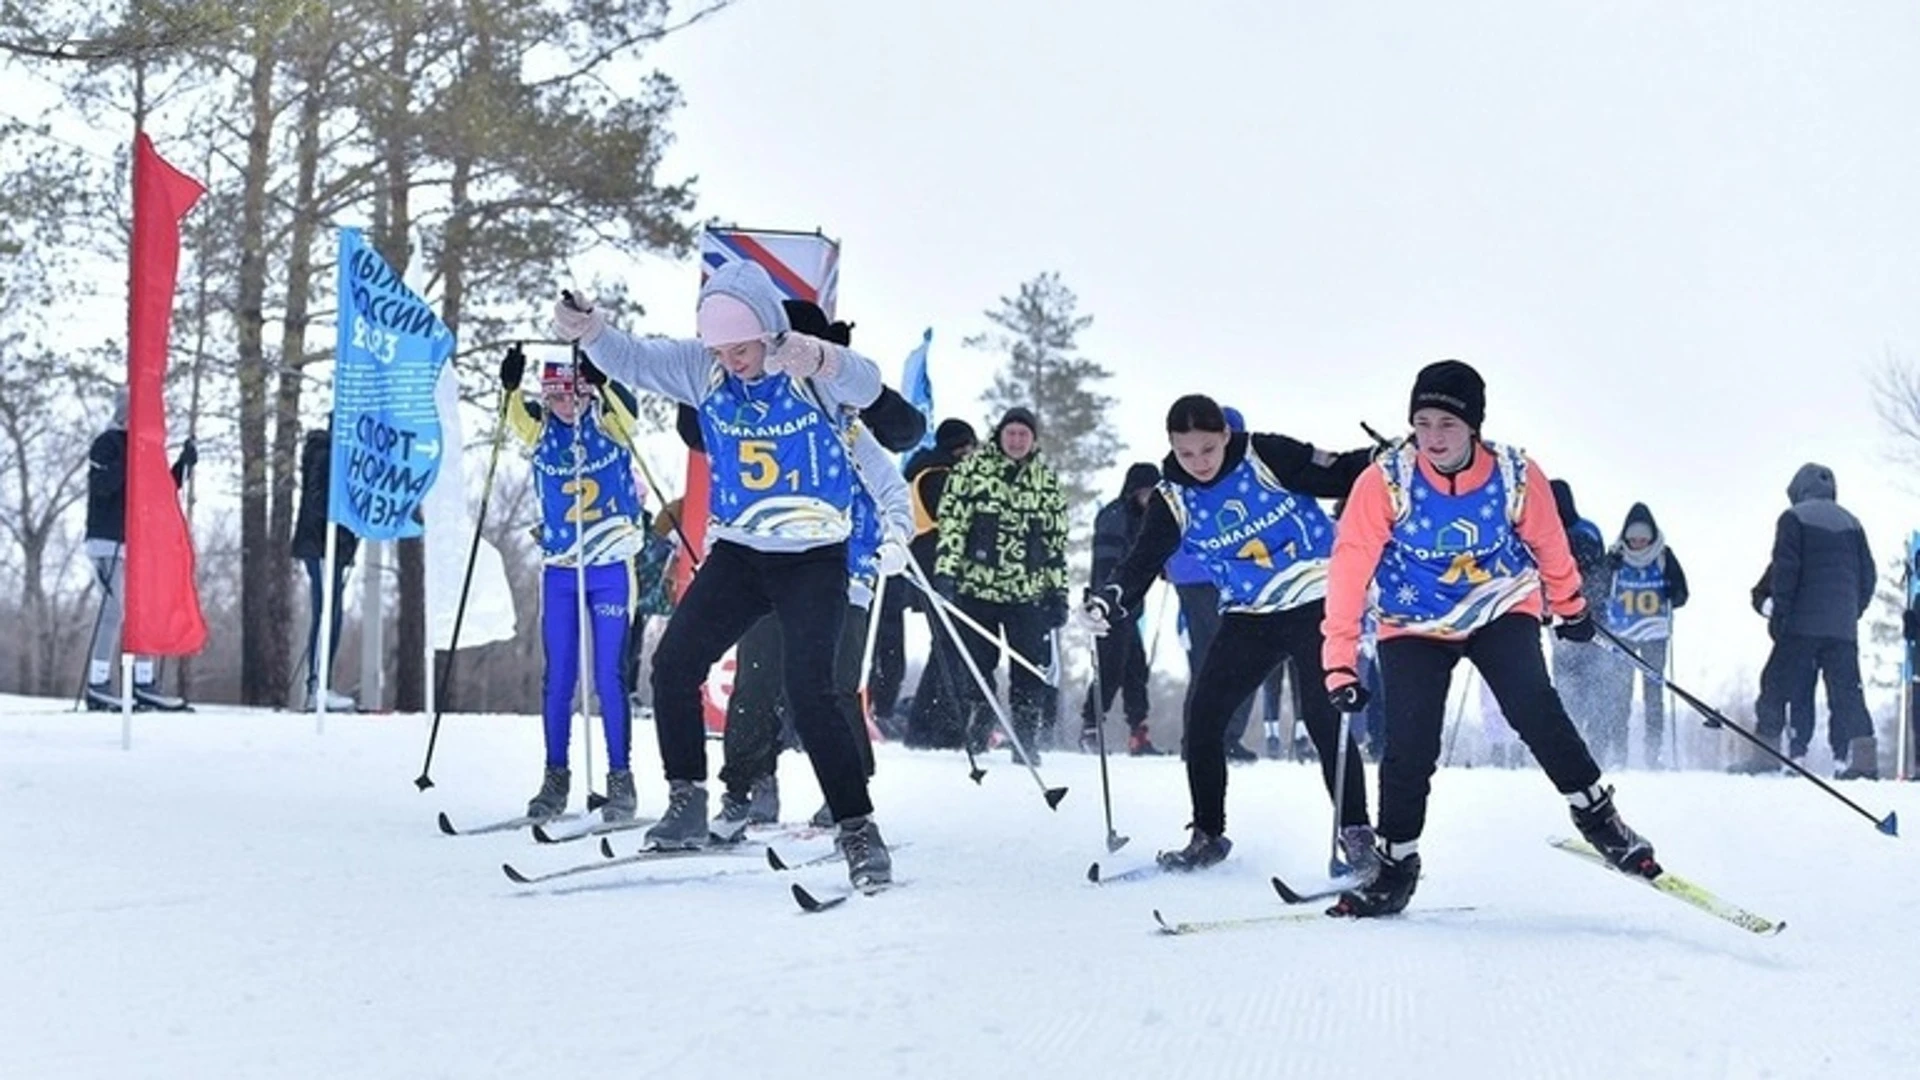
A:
[386, 428]
[916, 385]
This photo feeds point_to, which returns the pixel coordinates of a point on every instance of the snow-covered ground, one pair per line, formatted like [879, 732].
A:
[240, 897]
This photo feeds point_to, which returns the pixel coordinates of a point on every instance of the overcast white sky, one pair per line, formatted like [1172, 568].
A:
[1675, 238]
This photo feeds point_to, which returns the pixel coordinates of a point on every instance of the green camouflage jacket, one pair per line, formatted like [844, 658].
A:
[1003, 529]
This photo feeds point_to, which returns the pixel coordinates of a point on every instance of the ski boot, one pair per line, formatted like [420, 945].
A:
[552, 800]
[1387, 894]
[684, 826]
[730, 824]
[1140, 745]
[1089, 740]
[763, 801]
[148, 696]
[1358, 851]
[622, 802]
[869, 865]
[1599, 822]
[1202, 851]
[101, 698]
[1240, 754]
[336, 702]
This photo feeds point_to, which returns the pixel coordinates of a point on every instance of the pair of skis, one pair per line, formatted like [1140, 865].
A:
[1666, 883]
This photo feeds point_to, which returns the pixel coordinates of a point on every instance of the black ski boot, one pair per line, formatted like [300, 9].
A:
[730, 824]
[1202, 850]
[869, 864]
[1600, 823]
[552, 800]
[622, 801]
[684, 826]
[1389, 892]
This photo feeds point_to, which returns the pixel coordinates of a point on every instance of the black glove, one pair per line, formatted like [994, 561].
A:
[513, 367]
[1054, 607]
[590, 372]
[1578, 628]
[1348, 695]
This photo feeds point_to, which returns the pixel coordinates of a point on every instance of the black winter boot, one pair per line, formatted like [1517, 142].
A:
[1389, 892]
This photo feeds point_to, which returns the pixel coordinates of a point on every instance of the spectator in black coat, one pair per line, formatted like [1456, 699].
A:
[1121, 654]
[1819, 583]
[310, 548]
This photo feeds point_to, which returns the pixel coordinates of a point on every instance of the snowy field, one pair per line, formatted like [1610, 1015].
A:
[240, 897]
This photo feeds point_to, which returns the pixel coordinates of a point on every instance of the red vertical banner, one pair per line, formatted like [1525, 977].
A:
[163, 606]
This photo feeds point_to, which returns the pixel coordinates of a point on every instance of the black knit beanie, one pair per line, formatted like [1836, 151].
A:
[1451, 386]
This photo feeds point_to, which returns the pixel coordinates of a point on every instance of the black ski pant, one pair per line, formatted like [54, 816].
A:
[935, 720]
[756, 709]
[1788, 677]
[1200, 607]
[1122, 657]
[1238, 659]
[1417, 672]
[807, 592]
[1024, 626]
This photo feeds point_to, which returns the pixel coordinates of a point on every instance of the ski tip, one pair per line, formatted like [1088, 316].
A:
[606, 848]
[1286, 893]
[446, 825]
[1054, 795]
[1093, 873]
[774, 861]
[1890, 825]
[541, 834]
[1165, 926]
[513, 875]
[806, 900]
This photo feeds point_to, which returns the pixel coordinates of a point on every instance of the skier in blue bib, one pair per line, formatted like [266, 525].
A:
[1647, 584]
[579, 440]
[773, 408]
[1246, 506]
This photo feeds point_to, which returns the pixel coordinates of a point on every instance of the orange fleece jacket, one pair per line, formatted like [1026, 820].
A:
[1366, 528]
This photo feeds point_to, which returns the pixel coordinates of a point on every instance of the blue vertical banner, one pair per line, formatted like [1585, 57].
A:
[916, 385]
[388, 354]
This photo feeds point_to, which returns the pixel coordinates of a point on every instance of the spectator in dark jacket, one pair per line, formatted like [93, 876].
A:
[106, 549]
[937, 717]
[1121, 653]
[1581, 671]
[1645, 585]
[1820, 582]
[310, 547]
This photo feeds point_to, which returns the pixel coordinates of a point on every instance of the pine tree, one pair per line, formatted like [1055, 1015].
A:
[1038, 330]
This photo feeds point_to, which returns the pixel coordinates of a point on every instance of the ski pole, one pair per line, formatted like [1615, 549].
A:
[968, 621]
[582, 656]
[1098, 707]
[941, 610]
[1889, 825]
[1336, 867]
[425, 779]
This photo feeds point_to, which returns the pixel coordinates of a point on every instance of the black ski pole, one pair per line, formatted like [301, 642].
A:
[1098, 707]
[1889, 825]
[425, 780]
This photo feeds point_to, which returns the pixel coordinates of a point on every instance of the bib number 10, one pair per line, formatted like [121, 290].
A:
[759, 469]
[1640, 601]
